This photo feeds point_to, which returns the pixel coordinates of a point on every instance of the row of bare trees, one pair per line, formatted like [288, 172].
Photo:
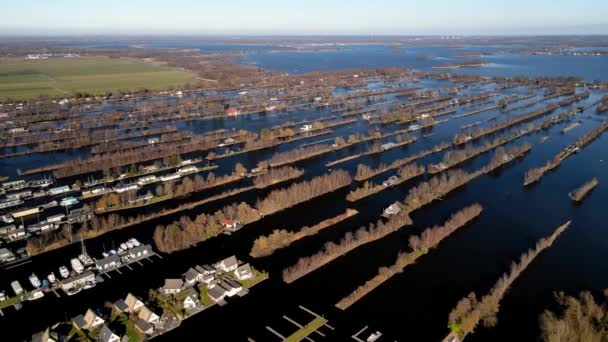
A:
[281, 238]
[347, 243]
[419, 245]
[480, 132]
[535, 174]
[404, 174]
[186, 233]
[469, 311]
[579, 193]
[281, 199]
[438, 186]
[365, 172]
[297, 154]
[278, 175]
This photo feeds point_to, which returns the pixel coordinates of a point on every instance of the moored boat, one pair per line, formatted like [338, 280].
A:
[51, 277]
[35, 281]
[77, 265]
[64, 272]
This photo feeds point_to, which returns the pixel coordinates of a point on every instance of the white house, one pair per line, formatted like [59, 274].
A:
[243, 272]
[133, 303]
[227, 265]
[106, 335]
[89, 321]
[192, 277]
[191, 300]
[172, 286]
[216, 293]
[148, 315]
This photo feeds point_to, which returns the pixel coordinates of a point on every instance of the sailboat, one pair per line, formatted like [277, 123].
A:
[84, 257]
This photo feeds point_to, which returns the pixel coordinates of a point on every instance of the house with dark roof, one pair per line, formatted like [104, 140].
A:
[192, 277]
[143, 327]
[243, 272]
[233, 287]
[107, 335]
[148, 315]
[216, 293]
[134, 304]
[191, 299]
[108, 263]
[205, 269]
[227, 265]
[120, 306]
[89, 321]
[172, 286]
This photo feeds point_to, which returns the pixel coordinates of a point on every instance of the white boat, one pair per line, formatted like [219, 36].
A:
[120, 251]
[17, 288]
[105, 254]
[373, 337]
[124, 246]
[36, 294]
[112, 252]
[35, 281]
[135, 242]
[2, 296]
[130, 244]
[77, 265]
[64, 272]
[51, 277]
[74, 290]
[86, 260]
[393, 209]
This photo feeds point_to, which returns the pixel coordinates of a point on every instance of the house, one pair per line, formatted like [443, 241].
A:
[208, 279]
[231, 225]
[243, 272]
[172, 286]
[139, 252]
[191, 299]
[205, 269]
[153, 141]
[148, 315]
[144, 327]
[106, 335]
[120, 306]
[235, 285]
[6, 255]
[216, 293]
[227, 265]
[108, 263]
[89, 321]
[232, 112]
[192, 277]
[43, 336]
[133, 303]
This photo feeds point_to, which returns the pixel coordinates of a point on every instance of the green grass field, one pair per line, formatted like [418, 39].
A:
[25, 79]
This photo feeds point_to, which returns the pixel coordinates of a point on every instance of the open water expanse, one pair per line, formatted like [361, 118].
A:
[413, 305]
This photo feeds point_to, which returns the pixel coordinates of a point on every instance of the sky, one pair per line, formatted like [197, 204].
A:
[301, 17]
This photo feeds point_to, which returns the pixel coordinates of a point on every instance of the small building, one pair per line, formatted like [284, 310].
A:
[58, 190]
[107, 335]
[192, 277]
[133, 303]
[44, 336]
[17, 234]
[143, 327]
[7, 229]
[216, 293]
[172, 286]
[232, 112]
[148, 315]
[89, 321]
[235, 286]
[55, 218]
[77, 280]
[6, 255]
[191, 299]
[231, 225]
[227, 265]
[139, 252]
[153, 141]
[107, 263]
[205, 269]
[306, 128]
[243, 272]
[120, 306]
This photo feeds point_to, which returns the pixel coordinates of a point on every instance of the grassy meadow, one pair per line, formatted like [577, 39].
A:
[22, 79]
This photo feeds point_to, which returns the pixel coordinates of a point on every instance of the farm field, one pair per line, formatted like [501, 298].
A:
[22, 79]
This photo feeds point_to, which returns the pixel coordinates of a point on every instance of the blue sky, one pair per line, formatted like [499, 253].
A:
[285, 17]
